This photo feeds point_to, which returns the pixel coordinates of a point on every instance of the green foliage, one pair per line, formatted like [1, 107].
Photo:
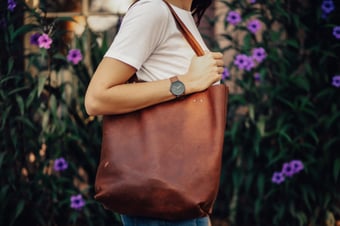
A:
[290, 113]
[43, 119]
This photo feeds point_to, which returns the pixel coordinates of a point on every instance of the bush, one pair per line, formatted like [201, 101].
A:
[281, 159]
[281, 163]
[49, 146]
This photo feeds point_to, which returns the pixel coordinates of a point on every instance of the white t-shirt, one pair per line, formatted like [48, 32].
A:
[150, 41]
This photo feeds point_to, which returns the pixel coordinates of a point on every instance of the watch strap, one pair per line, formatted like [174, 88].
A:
[174, 79]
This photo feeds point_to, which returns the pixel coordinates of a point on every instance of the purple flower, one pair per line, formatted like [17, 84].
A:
[252, 1]
[292, 167]
[60, 164]
[77, 202]
[226, 73]
[250, 64]
[336, 32]
[297, 165]
[254, 25]
[234, 17]
[44, 41]
[244, 62]
[257, 76]
[241, 61]
[259, 54]
[288, 170]
[34, 39]
[74, 56]
[327, 6]
[278, 178]
[11, 4]
[336, 81]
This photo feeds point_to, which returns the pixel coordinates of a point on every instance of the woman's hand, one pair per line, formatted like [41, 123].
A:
[203, 72]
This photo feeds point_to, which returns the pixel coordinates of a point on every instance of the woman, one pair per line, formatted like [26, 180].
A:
[150, 45]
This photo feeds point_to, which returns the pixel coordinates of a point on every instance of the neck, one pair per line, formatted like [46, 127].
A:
[183, 4]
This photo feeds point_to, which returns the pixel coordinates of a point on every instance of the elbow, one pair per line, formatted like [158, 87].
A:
[91, 106]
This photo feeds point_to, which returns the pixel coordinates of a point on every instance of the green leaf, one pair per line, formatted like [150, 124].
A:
[258, 206]
[292, 42]
[18, 210]
[301, 82]
[274, 35]
[4, 116]
[286, 102]
[301, 217]
[261, 126]
[330, 143]
[314, 135]
[53, 103]
[308, 68]
[59, 56]
[285, 135]
[26, 122]
[22, 30]
[235, 152]
[17, 90]
[280, 211]
[247, 42]
[327, 199]
[7, 78]
[236, 178]
[336, 169]
[260, 184]
[4, 191]
[332, 121]
[21, 104]
[41, 83]
[10, 65]
[278, 157]
[62, 19]
[2, 157]
[248, 182]
[31, 97]
[306, 200]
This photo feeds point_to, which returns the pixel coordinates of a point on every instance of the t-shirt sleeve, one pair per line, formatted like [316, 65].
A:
[141, 31]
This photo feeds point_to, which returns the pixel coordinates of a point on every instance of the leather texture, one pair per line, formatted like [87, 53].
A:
[164, 161]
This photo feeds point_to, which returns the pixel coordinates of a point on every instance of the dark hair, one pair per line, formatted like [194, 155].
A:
[199, 7]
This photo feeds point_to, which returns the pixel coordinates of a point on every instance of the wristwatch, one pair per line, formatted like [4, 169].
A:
[177, 87]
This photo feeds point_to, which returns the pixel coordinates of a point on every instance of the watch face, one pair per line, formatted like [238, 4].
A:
[177, 88]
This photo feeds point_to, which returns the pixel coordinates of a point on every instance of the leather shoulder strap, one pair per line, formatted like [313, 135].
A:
[133, 3]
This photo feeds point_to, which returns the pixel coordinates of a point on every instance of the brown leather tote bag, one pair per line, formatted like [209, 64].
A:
[164, 161]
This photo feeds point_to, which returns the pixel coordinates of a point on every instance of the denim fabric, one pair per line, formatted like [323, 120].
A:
[141, 221]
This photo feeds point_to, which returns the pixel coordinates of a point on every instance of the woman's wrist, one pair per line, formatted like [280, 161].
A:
[188, 83]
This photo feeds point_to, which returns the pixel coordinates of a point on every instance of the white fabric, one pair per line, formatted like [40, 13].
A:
[149, 41]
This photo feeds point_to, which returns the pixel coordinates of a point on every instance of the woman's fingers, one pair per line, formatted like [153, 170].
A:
[220, 63]
[217, 55]
[218, 58]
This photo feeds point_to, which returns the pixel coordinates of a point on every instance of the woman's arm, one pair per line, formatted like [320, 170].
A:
[108, 92]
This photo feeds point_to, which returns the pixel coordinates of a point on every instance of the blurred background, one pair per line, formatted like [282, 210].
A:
[281, 160]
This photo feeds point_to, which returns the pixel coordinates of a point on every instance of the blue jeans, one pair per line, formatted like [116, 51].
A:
[142, 221]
